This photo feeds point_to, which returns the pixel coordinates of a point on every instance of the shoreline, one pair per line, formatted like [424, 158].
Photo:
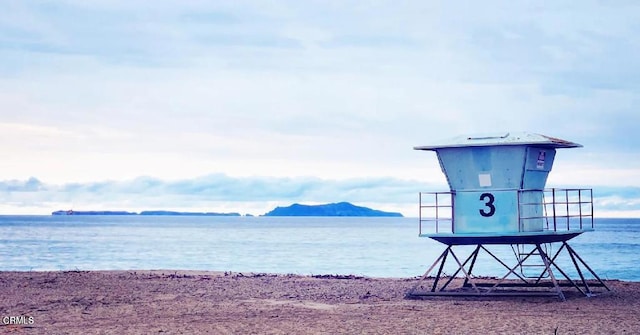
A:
[195, 302]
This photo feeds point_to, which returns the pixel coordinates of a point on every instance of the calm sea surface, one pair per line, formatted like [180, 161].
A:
[377, 247]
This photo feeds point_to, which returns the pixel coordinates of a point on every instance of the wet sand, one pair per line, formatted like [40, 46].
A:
[188, 302]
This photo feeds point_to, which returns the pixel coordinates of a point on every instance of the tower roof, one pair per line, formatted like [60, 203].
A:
[500, 139]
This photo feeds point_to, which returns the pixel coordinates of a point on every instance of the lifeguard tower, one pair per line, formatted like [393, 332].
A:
[497, 196]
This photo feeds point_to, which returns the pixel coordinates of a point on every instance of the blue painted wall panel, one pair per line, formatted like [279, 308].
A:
[531, 211]
[464, 167]
[539, 163]
[486, 212]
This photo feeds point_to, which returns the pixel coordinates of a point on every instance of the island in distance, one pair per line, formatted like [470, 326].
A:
[72, 212]
[333, 209]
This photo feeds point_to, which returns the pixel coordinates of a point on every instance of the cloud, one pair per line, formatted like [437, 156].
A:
[30, 185]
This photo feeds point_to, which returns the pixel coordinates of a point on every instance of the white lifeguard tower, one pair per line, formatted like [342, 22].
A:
[497, 196]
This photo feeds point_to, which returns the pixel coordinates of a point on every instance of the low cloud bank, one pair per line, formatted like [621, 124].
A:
[213, 192]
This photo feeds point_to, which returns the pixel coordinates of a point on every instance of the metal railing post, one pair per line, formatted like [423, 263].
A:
[553, 205]
[437, 215]
[419, 213]
[591, 198]
[566, 200]
[580, 207]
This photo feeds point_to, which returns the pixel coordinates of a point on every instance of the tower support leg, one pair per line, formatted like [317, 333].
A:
[547, 264]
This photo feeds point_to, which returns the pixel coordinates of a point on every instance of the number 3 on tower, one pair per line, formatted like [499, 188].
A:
[489, 199]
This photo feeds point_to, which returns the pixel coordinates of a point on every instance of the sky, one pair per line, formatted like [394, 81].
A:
[241, 106]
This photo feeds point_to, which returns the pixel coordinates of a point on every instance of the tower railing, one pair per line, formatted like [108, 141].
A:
[553, 209]
[564, 209]
[436, 212]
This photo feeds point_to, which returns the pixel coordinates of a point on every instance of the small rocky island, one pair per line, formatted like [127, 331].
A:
[334, 209]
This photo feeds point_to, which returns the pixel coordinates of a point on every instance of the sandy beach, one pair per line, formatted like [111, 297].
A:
[188, 302]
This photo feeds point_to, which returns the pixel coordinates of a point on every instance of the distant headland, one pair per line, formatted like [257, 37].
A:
[333, 209]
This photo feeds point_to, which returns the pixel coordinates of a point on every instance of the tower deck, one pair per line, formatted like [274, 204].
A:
[519, 238]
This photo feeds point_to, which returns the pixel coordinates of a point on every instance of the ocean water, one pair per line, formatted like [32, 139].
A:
[375, 247]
